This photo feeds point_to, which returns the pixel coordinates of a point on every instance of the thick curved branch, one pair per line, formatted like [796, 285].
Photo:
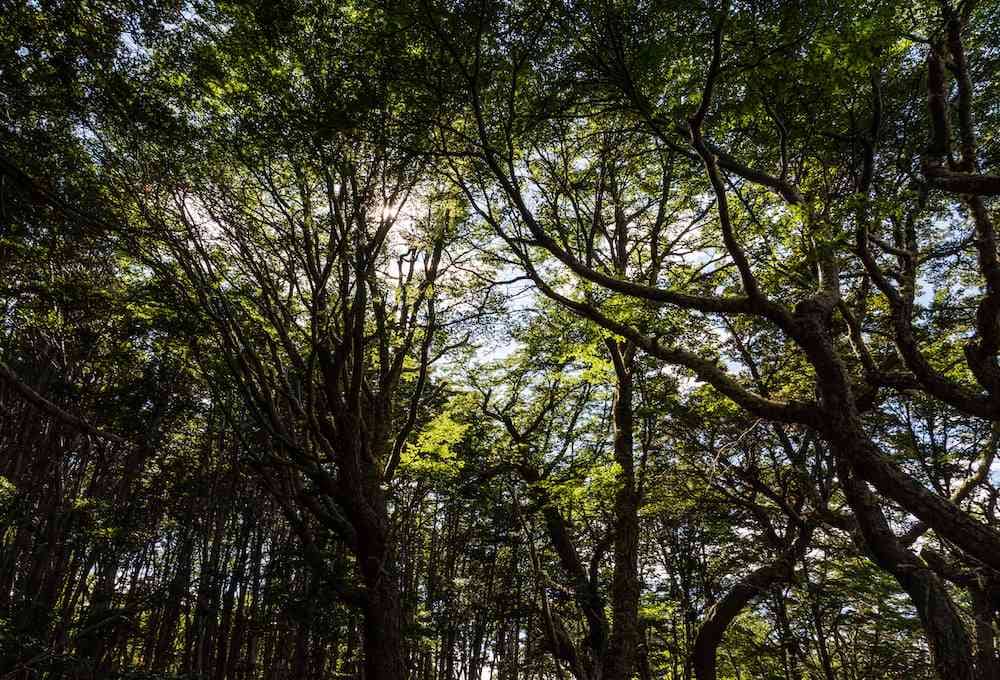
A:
[721, 614]
[705, 369]
[963, 490]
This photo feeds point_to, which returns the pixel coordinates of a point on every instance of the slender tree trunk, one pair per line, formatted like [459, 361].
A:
[821, 644]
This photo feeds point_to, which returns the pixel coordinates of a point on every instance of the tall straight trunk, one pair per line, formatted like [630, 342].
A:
[789, 645]
[383, 629]
[300, 658]
[625, 587]
[258, 610]
[240, 616]
[97, 644]
[180, 582]
[226, 636]
[381, 607]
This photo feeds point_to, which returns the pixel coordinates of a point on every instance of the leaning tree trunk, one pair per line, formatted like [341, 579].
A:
[842, 427]
[951, 648]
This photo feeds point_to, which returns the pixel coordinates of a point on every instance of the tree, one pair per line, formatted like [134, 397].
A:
[478, 339]
[824, 188]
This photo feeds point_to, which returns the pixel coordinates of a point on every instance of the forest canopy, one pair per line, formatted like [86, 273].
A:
[474, 340]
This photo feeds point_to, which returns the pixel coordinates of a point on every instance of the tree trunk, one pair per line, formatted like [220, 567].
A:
[383, 626]
[381, 607]
[722, 613]
[984, 615]
[949, 641]
[842, 427]
[625, 587]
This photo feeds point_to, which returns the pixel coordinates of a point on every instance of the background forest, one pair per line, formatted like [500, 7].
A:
[469, 339]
